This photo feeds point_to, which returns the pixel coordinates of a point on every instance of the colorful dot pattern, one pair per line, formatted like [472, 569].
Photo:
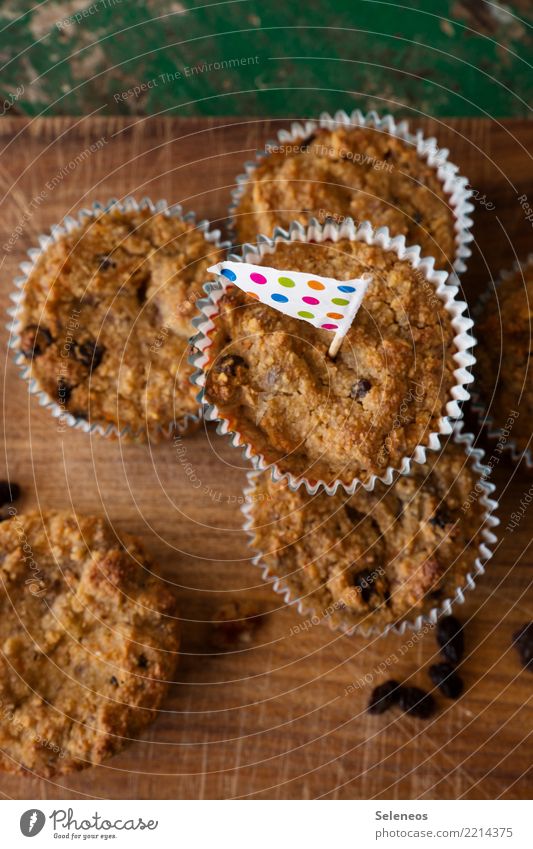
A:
[324, 302]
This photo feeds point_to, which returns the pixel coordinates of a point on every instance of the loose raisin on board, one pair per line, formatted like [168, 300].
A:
[416, 702]
[446, 679]
[450, 638]
[235, 623]
[383, 697]
[523, 640]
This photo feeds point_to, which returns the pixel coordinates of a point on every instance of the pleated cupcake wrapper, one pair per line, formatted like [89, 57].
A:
[331, 231]
[485, 552]
[68, 225]
[508, 446]
[454, 185]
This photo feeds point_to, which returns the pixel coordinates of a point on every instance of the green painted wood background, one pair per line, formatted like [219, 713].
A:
[436, 57]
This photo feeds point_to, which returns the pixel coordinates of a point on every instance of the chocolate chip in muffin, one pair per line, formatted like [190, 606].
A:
[141, 280]
[88, 353]
[450, 638]
[416, 701]
[523, 642]
[384, 697]
[34, 340]
[113, 681]
[364, 581]
[230, 365]
[105, 262]
[142, 661]
[446, 679]
[441, 518]
[354, 515]
[360, 389]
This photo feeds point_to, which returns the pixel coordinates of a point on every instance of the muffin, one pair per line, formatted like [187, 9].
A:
[105, 319]
[89, 640]
[269, 378]
[362, 172]
[504, 371]
[376, 558]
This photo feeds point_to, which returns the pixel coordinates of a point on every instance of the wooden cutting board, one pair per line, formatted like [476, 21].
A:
[270, 720]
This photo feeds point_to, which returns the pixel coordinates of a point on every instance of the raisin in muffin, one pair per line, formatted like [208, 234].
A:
[106, 317]
[357, 172]
[504, 356]
[348, 418]
[89, 640]
[374, 558]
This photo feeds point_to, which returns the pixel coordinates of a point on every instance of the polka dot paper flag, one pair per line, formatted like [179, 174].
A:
[324, 302]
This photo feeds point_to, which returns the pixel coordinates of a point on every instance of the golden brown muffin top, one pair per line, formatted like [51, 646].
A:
[343, 418]
[504, 334]
[89, 640]
[357, 172]
[106, 318]
[372, 559]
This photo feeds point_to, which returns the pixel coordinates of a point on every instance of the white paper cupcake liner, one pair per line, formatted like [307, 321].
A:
[70, 223]
[485, 552]
[454, 185]
[331, 231]
[506, 444]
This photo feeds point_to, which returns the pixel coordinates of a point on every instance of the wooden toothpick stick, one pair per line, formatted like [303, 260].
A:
[336, 344]
[347, 322]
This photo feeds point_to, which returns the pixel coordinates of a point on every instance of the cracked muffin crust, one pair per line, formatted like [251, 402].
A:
[106, 318]
[89, 640]
[356, 172]
[347, 418]
[504, 354]
[373, 558]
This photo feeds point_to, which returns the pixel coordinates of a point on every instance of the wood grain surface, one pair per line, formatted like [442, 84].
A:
[270, 720]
